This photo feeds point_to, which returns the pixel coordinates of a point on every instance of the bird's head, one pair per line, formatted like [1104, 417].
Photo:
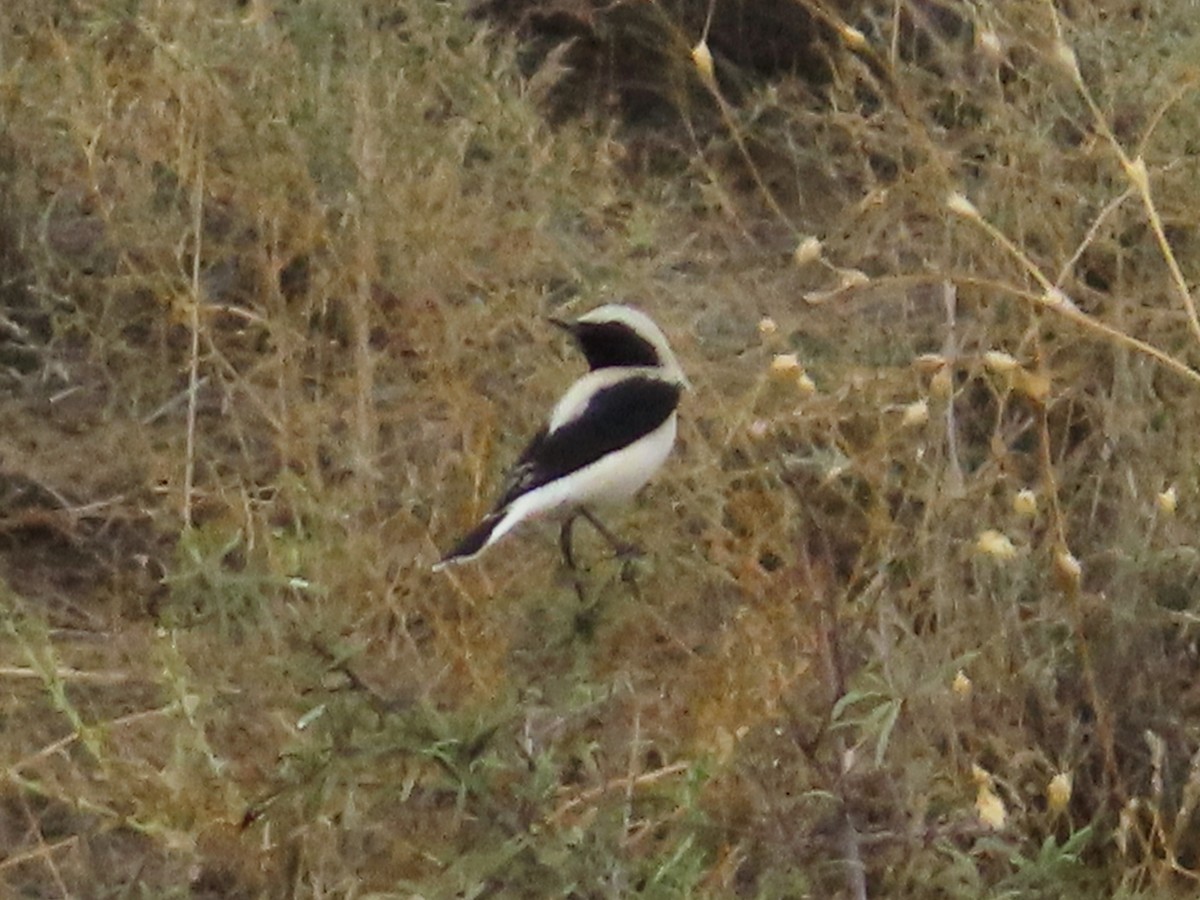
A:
[619, 335]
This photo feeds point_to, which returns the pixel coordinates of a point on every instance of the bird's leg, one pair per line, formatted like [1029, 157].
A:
[564, 540]
[623, 549]
[564, 544]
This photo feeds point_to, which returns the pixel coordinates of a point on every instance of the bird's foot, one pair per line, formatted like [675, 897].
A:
[626, 551]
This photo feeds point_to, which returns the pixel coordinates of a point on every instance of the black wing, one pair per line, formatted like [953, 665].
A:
[615, 417]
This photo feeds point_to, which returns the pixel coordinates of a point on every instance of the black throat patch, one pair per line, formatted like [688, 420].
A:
[607, 344]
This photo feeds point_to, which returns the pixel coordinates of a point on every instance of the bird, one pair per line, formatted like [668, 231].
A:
[605, 438]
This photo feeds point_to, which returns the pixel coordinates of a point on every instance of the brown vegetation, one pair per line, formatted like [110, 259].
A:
[917, 615]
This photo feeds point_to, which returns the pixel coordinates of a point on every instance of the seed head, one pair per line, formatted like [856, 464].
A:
[1025, 503]
[1058, 793]
[962, 684]
[996, 545]
[1000, 362]
[703, 61]
[915, 414]
[807, 251]
[785, 364]
[961, 206]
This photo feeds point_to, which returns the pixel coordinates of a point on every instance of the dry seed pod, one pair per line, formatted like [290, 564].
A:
[1068, 569]
[916, 414]
[996, 545]
[1025, 503]
[1058, 793]
[807, 251]
[703, 61]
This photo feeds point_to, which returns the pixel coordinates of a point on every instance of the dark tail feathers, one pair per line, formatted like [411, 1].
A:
[472, 543]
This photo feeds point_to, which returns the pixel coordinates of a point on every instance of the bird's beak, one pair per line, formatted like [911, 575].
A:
[563, 324]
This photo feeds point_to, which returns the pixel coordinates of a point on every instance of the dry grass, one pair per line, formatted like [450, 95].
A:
[918, 614]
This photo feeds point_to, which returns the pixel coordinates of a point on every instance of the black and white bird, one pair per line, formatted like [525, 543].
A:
[607, 436]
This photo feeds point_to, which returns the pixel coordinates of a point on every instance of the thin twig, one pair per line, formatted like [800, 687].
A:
[189, 467]
[616, 784]
[835, 678]
[950, 353]
[42, 851]
[1135, 171]
[67, 674]
[1056, 301]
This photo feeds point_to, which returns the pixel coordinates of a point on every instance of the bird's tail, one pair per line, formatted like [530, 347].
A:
[474, 541]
